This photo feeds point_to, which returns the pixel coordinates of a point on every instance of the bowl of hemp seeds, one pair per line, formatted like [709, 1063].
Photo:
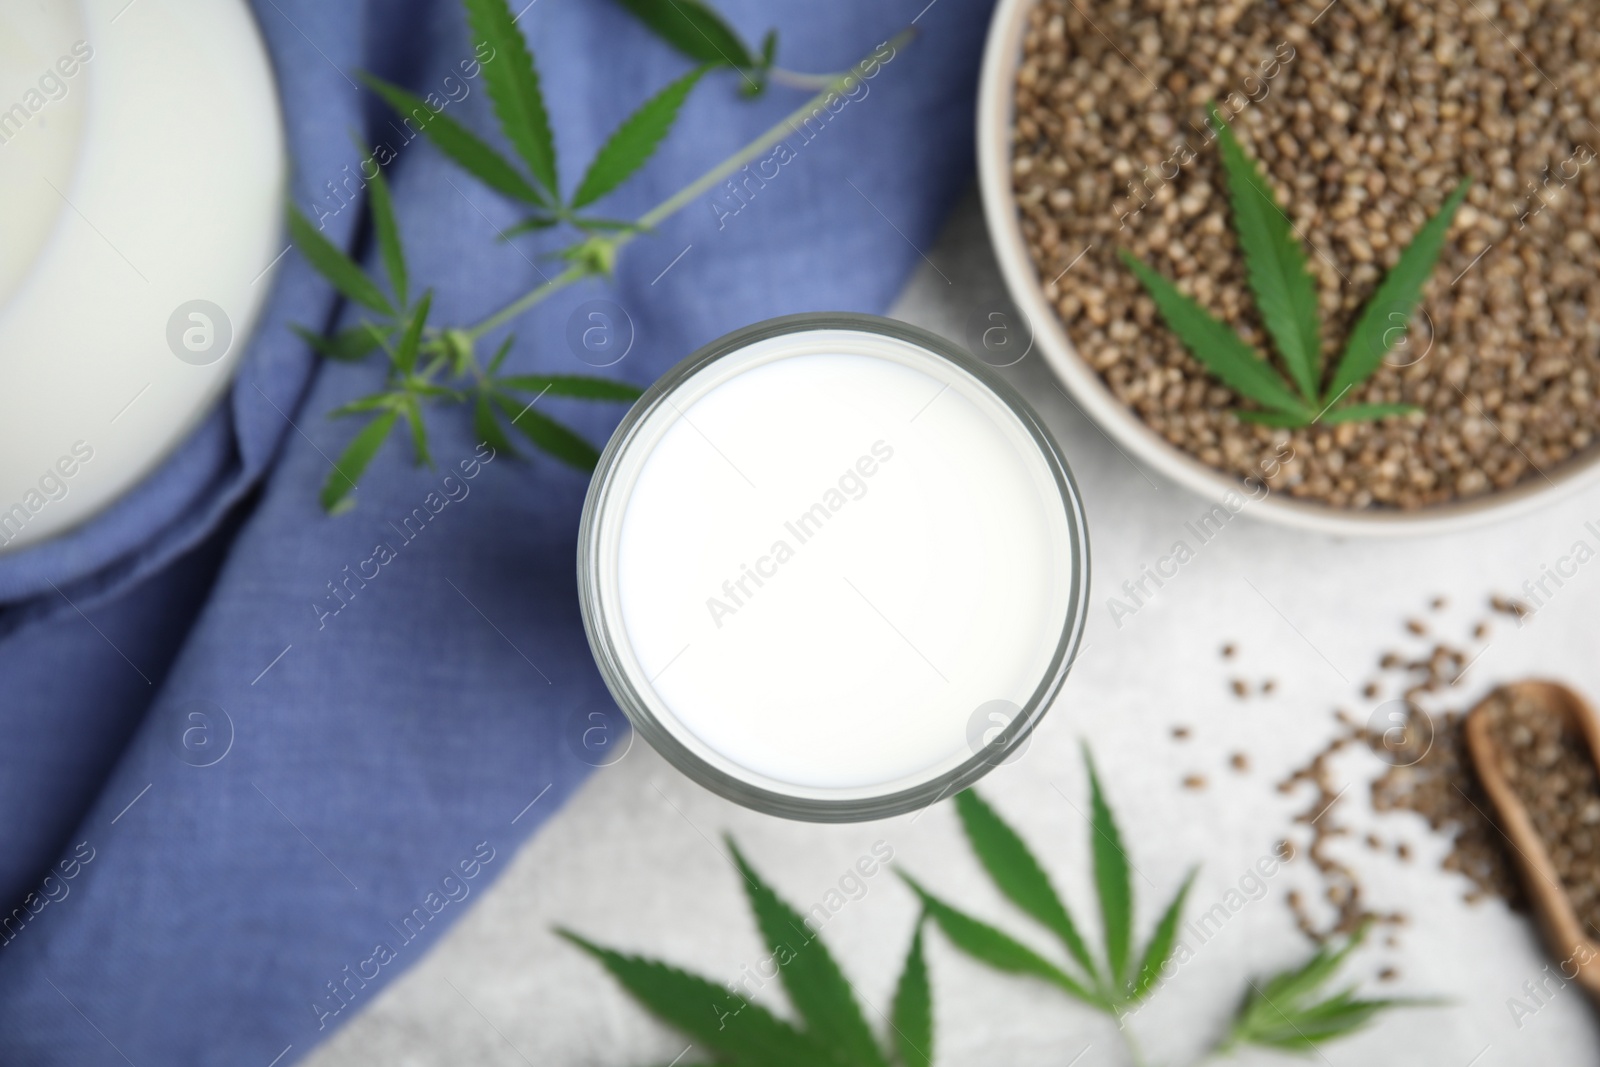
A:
[1448, 146]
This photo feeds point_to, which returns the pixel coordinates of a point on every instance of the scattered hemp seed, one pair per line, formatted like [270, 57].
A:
[1438, 603]
[1388, 974]
[1241, 688]
[1228, 651]
[1428, 772]
[1180, 733]
[1194, 781]
[1481, 631]
[1269, 687]
[1507, 606]
[1417, 627]
[1240, 762]
[1371, 690]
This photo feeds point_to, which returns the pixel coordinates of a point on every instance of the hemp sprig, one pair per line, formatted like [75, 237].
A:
[431, 364]
[1287, 1011]
[1285, 294]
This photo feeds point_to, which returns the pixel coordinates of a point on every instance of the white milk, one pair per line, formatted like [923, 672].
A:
[142, 169]
[825, 554]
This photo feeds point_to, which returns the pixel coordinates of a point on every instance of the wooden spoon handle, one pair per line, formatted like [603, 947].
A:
[1577, 954]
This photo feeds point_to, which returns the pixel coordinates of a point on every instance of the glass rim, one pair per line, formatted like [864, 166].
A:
[604, 633]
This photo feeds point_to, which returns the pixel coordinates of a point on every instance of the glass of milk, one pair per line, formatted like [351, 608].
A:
[833, 568]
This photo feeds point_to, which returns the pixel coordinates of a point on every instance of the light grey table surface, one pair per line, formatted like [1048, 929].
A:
[635, 861]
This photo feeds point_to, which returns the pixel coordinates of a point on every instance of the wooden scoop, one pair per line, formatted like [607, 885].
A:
[1578, 954]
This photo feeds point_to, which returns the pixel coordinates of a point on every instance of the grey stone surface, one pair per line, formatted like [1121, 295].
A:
[635, 860]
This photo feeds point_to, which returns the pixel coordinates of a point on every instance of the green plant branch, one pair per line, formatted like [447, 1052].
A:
[549, 287]
[428, 363]
[1289, 1011]
[796, 80]
[689, 193]
[786, 126]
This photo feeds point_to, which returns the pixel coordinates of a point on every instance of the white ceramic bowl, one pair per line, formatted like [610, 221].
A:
[995, 95]
[143, 166]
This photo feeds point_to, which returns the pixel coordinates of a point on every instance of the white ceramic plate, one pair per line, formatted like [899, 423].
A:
[1000, 60]
[142, 167]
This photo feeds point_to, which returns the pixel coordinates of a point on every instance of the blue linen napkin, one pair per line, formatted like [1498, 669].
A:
[249, 786]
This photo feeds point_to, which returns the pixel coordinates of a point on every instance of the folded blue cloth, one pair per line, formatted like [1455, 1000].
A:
[250, 786]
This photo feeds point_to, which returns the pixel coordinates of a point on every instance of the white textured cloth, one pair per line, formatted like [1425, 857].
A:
[635, 861]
